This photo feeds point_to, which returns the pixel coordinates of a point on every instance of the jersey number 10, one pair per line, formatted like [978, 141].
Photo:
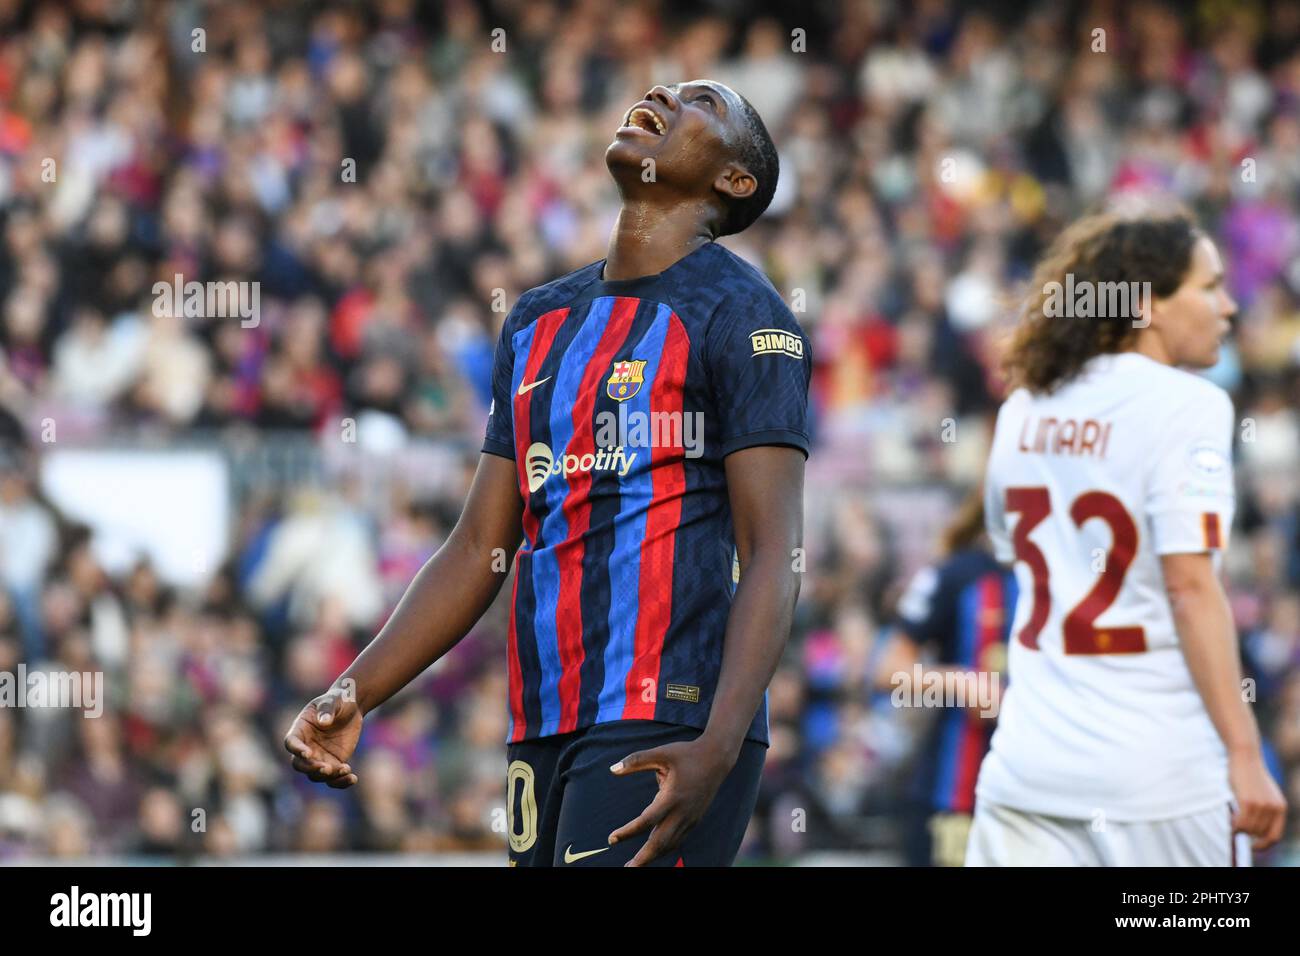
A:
[1080, 633]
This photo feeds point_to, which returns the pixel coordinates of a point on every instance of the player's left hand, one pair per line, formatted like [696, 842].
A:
[689, 776]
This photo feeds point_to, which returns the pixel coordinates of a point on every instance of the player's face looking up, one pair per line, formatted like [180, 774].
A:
[1188, 326]
[691, 132]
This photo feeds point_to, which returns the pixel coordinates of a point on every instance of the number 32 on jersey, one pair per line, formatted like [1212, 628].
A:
[1080, 633]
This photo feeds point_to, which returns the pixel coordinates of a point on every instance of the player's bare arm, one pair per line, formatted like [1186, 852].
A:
[1209, 641]
[444, 600]
[765, 489]
[898, 669]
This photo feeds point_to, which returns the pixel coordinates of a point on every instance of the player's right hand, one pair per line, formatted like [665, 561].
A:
[1261, 808]
[323, 736]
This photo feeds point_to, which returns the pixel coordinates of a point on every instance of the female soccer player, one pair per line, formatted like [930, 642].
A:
[647, 434]
[1124, 737]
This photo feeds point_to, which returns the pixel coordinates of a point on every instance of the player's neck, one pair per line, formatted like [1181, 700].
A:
[646, 240]
[1153, 348]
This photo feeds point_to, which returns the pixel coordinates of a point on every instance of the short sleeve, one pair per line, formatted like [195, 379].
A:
[500, 437]
[759, 366]
[1190, 497]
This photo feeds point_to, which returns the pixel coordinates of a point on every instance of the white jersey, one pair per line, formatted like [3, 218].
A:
[1086, 489]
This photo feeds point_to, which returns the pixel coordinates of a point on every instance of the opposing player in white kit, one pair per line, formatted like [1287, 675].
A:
[1124, 737]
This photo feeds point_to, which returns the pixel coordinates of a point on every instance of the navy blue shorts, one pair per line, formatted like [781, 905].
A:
[564, 803]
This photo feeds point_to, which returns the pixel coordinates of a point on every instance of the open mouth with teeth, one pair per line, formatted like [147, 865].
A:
[641, 118]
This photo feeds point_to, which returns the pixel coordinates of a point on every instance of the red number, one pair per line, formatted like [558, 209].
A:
[1033, 505]
[1081, 635]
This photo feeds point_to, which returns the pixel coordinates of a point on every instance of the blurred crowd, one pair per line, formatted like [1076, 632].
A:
[393, 175]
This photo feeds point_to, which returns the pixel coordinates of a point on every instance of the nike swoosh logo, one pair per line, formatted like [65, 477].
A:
[528, 388]
[571, 857]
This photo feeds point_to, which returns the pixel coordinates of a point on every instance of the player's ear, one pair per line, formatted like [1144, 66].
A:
[735, 182]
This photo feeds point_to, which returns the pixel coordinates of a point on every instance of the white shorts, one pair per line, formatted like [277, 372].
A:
[1001, 836]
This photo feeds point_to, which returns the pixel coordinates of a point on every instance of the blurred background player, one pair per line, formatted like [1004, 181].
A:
[1126, 736]
[953, 618]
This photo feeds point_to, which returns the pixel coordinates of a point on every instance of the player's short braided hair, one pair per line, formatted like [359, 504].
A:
[757, 153]
[1048, 351]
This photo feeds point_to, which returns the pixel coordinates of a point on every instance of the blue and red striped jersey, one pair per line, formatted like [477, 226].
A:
[962, 611]
[618, 400]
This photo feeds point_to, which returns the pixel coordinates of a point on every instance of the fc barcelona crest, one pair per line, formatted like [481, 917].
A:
[626, 380]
